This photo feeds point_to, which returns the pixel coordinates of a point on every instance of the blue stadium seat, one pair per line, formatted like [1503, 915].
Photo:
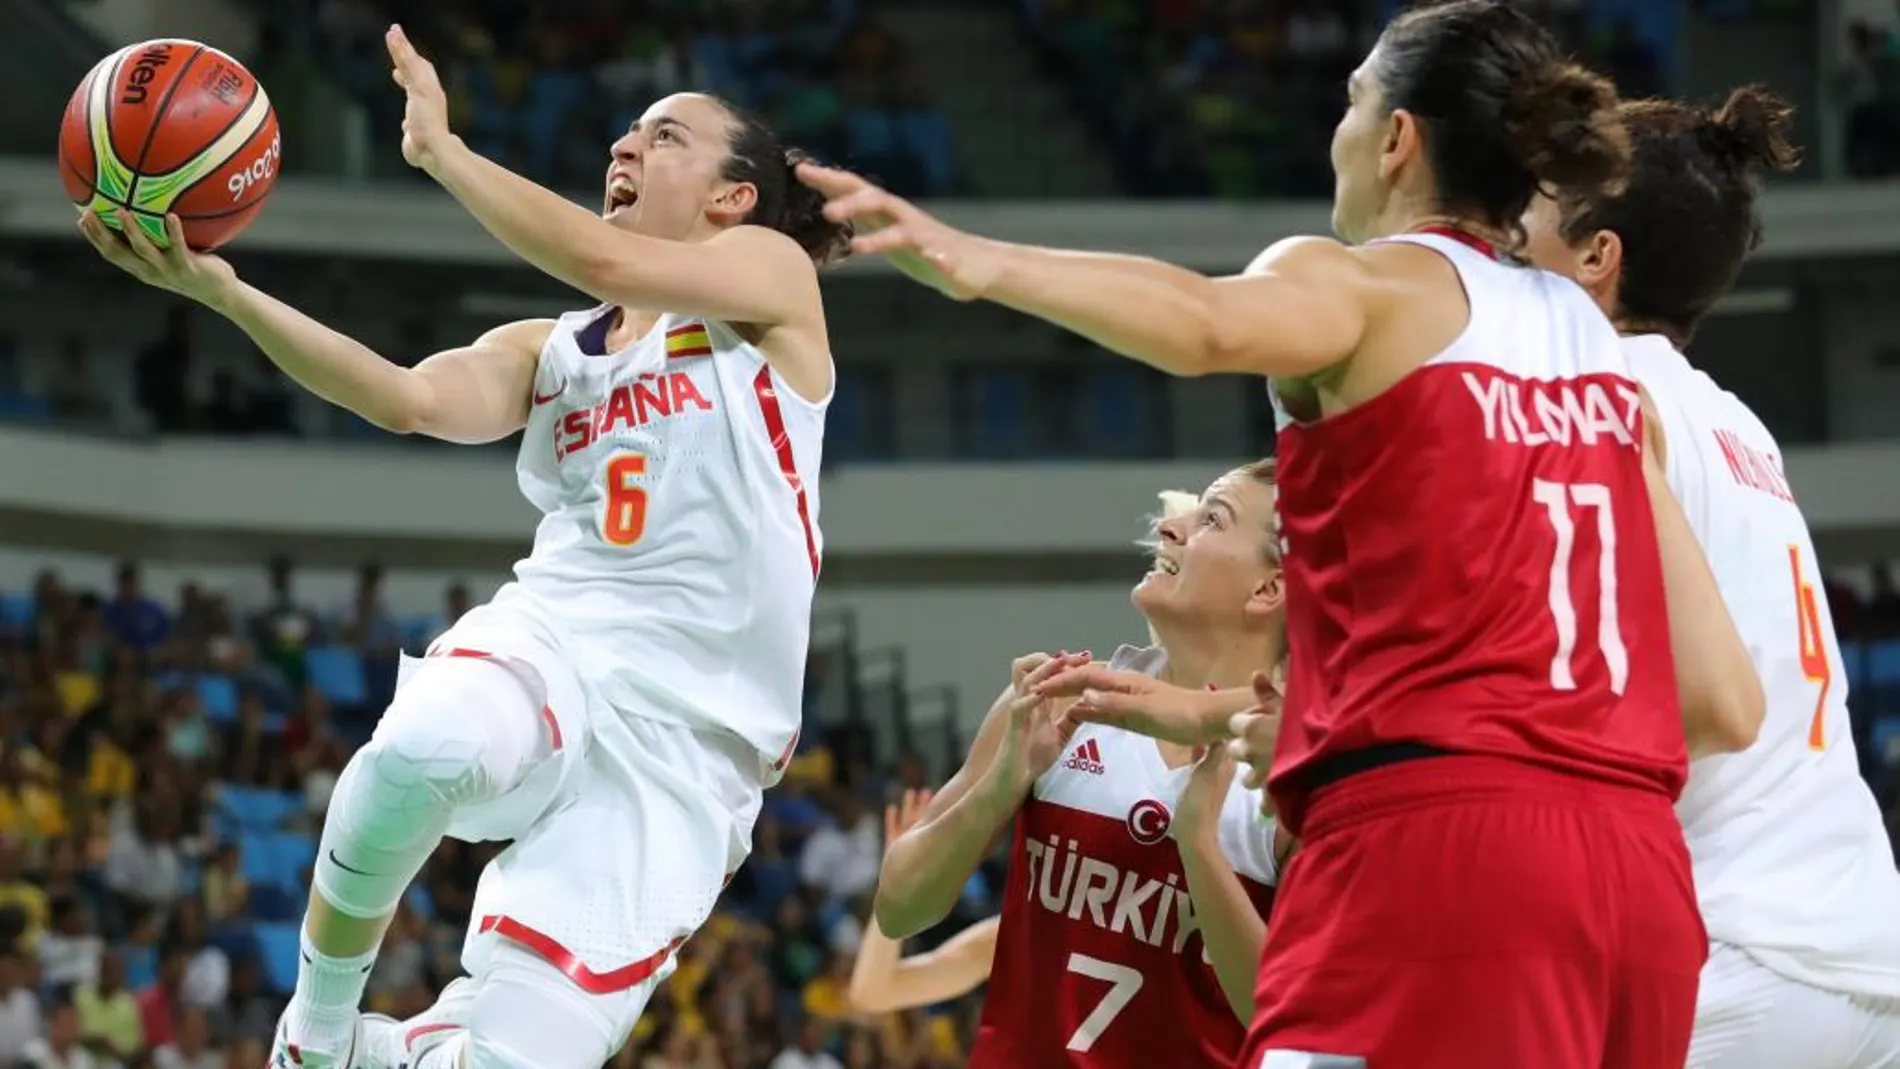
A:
[419, 631]
[337, 673]
[254, 809]
[1855, 656]
[16, 612]
[1115, 404]
[219, 696]
[1002, 411]
[277, 944]
[1883, 664]
[276, 858]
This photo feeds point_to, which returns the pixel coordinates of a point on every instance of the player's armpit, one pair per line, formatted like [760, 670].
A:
[482, 392]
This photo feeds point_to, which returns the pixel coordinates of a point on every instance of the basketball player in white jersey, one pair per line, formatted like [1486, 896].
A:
[1793, 869]
[618, 708]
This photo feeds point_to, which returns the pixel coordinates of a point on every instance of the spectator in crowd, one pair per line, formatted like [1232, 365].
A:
[153, 949]
[60, 1047]
[20, 1022]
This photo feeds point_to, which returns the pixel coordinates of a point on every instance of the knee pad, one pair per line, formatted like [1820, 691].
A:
[461, 731]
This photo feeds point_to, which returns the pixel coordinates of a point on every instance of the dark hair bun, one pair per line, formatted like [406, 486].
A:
[1750, 131]
[1562, 126]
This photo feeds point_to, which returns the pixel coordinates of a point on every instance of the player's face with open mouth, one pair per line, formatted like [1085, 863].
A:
[664, 173]
[1219, 561]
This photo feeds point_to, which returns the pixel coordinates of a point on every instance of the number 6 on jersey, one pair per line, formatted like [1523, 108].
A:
[624, 517]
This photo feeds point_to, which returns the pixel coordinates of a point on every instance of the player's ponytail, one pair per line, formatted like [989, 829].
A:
[784, 204]
[1748, 134]
[1687, 215]
[1502, 114]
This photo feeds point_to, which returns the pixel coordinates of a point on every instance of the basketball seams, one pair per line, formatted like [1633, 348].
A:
[221, 149]
[158, 115]
[103, 113]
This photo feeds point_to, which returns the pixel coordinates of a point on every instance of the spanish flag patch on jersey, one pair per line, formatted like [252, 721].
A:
[688, 340]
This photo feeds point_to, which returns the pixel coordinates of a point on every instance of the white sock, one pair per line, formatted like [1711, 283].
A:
[323, 1009]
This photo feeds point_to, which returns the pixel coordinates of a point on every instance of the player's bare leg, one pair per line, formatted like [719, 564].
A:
[461, 732]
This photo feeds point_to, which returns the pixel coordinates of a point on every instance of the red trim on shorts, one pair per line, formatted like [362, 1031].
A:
[416, 1033]
[785, 755]
[547, 711]
[774, 416]
[551, 951]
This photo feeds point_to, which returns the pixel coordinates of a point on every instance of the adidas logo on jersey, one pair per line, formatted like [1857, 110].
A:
[1087, 758]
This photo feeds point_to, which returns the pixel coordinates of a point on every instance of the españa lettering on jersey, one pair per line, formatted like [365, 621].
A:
[679, 537]
[630, 405]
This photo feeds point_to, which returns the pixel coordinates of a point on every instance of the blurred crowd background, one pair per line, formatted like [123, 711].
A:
[165, 754]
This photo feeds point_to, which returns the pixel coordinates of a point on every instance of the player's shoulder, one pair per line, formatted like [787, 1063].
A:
[1312, 256]
[775, 247]
[524, 336]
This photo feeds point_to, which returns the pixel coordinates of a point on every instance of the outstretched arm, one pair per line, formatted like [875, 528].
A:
[474, 394]
[883, 980]
[748, 274]
[1298, 308]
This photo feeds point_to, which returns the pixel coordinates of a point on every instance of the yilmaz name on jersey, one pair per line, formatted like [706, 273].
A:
[632, 404]
[1532, 413]
[1065, 881]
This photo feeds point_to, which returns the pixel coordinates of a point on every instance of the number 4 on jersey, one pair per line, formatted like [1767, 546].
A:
[1814, 663]
[624, 518]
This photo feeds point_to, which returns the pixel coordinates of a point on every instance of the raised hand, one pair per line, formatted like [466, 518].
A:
[425, 114]
[958, 265]
[1037, 729]
[1197, 812]
[1137, 702]
[1256, 731]
[199, 276]
[900, 815]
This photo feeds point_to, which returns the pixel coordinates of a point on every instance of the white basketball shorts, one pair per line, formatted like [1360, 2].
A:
[620, 851]
[1748, 1017]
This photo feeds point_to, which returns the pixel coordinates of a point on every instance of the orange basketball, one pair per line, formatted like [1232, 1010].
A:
[171, 127]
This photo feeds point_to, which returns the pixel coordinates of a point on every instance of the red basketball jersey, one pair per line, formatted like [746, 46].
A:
[1099, 960]
[1471, 559]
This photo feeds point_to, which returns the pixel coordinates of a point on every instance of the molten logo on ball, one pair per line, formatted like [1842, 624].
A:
[144, 69]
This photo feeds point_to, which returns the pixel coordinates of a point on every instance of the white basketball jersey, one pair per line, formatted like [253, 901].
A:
[1792, 863]
[678, 545]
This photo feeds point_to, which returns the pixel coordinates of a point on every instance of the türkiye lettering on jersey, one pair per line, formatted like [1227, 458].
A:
[1531, 413]
[1067, 882]
[651, 396]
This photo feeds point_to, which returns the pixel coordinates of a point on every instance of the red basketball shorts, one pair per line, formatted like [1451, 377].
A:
[1479, 913]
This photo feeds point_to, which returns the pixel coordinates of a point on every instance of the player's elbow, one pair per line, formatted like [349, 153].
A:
[1727, 718]
[901, 916]
[865, 997]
